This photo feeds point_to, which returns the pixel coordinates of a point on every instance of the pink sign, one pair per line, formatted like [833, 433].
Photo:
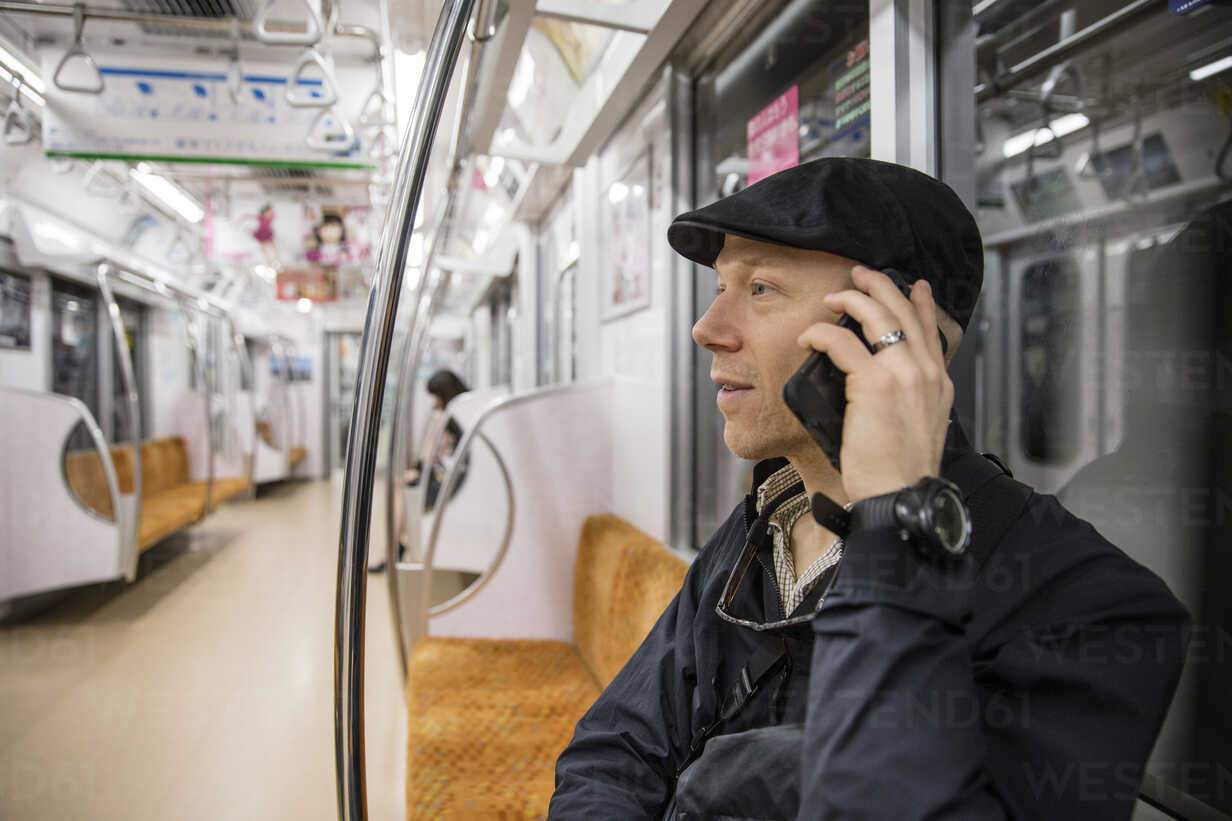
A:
[774, 136]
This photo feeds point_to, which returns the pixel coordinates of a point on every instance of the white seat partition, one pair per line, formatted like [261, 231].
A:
[469, 541]
[48, 538]
[554, 444]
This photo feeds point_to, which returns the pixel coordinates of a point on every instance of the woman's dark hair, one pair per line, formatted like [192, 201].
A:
[327, 220]
[454, 429]
[445, 385]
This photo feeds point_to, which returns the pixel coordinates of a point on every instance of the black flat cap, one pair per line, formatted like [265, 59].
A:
[877, 213]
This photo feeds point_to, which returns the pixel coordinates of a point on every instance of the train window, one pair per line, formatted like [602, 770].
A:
[74, 349]
[796, 91]
[1103, 345]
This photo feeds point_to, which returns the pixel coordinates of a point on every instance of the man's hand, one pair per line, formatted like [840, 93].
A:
[899, 399]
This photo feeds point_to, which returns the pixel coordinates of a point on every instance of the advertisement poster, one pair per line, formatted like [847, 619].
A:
[626, 280]
[185, 109]
[774, 137]
[852, 101]
[315, 283]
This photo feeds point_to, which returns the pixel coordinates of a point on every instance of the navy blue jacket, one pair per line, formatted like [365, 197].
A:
[1030, 687]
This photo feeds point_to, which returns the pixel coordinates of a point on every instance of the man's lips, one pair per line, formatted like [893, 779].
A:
[731, 391]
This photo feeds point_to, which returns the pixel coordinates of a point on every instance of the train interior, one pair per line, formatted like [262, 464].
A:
[254, 565]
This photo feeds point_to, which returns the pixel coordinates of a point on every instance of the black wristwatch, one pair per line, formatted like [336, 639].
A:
[930, 514]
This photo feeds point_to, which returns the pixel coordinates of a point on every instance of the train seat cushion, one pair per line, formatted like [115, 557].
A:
[164, 465]
[488, 718]
[297, 455]
[623, 581]
[170, 510]
[227, 487]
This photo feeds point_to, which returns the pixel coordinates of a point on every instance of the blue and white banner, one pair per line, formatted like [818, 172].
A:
[181, 109]
[1185, 6]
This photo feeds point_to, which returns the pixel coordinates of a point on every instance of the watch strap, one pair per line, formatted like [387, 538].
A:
[875, 513]
[830, 515]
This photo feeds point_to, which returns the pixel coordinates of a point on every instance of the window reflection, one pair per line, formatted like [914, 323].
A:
[1104, 354]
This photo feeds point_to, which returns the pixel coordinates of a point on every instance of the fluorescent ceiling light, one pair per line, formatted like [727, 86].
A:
[491, 174]
[523, 79]
[1211, 68]
[618, 193]
[170, 194]
[494, 214]
[1059, 127]
[32, 84]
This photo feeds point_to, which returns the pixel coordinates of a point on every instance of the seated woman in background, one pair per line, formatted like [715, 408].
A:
[444, 385]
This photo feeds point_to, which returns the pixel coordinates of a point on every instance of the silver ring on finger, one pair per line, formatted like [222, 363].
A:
[892, 338]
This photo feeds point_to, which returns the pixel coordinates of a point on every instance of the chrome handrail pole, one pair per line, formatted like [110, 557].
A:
[449, 486]
[247, 371]
[191, 343]
[365, 420]
[395, 464]
[129, 376]
[278, 349]
[413, 351]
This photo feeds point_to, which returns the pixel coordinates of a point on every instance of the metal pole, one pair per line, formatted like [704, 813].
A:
[128, 375]
[365, 421]
[247, 371]
[1054, 54]
[412, 357]
[190, 342]
[278, 349]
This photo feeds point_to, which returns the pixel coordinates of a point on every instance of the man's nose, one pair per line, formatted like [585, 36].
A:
[715, 331]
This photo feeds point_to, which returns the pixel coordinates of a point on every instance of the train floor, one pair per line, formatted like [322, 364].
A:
[204, 690]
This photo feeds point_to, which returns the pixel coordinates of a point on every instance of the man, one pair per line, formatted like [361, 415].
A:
[1022, 674]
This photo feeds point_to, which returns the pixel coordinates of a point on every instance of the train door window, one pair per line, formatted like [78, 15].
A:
[74, 349]
[501, 316]
[1049, 367]
[118, 427]
[795, 91]
[1104, 198]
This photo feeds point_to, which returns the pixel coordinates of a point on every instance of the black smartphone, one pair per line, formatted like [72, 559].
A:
[817, 393]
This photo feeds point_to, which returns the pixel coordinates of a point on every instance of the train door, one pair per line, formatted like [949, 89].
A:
[75, 341]
[796, 90]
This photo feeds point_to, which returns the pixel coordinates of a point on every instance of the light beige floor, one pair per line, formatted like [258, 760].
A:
[205, 689]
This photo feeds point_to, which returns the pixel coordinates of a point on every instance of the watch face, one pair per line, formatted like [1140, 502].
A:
[949, 520]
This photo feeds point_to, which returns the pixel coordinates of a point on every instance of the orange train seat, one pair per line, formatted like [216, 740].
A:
[169, 501]
[488, 717]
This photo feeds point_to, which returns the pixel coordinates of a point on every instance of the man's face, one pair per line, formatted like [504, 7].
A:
[768, 296]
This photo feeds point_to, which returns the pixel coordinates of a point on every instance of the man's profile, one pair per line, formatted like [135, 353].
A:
[879, 669]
